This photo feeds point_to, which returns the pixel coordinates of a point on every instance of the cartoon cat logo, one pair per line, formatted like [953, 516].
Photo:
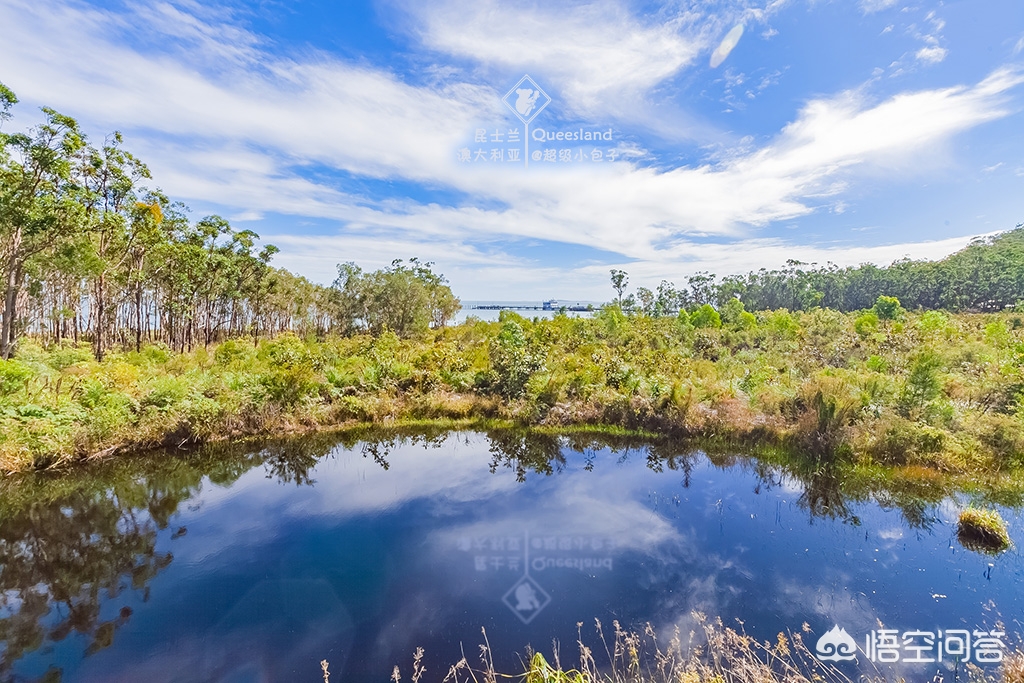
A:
[836, 645]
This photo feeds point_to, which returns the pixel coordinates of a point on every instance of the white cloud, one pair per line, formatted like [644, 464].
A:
[315, 110]
[480, 276]
[931, 55]
[872, 6]
[728, 44]
[244, 134]
[595, 53]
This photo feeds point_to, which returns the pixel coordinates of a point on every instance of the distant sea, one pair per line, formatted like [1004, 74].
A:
[492, 314]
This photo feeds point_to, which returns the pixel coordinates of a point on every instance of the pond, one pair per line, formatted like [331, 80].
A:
[253, 563]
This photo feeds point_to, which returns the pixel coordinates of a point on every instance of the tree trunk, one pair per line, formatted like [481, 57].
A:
[138, 318]
[101, 305]
[10, 297]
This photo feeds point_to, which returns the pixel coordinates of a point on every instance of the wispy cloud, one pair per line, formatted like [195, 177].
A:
[931, 55]
[594, 53]
[225, 119]
[872, 6]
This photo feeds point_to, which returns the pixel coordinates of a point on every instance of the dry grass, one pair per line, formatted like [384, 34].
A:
[1013, 668]
[712, 653]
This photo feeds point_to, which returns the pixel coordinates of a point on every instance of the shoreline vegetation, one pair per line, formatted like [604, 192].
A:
[126, 326]
[710, 652]
[941, 392]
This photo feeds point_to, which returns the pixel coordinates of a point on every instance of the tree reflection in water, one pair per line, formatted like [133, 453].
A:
[73, 543]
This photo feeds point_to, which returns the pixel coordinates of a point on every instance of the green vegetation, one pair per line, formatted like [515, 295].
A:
[87, 253]
[942, 391]
[983, 530]
[125, 326]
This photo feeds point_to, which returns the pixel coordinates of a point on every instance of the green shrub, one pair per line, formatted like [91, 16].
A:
[876, 364]
[888, 308]
[731, 310]
[780, 324]
[933, 322]
[234, 352]
[64, 356]
[997, 334]
[923, 383]
[165, 392]
[514, 359]
[682, 325]
[904, 441]
[288, 386]
[706, 317]
[14, 374]
[867, 324]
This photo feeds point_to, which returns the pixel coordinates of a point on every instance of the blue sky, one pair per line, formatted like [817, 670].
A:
[845, 131]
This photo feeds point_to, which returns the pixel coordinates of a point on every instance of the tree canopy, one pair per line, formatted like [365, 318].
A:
[89, 253]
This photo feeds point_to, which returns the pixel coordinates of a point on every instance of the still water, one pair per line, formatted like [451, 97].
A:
[485, 310]
[240, 564]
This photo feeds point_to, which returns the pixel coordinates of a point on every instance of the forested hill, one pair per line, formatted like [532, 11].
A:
[987, 275]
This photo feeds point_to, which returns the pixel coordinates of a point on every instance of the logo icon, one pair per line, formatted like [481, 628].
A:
[526, 99]
[526, 599]
[836, 645]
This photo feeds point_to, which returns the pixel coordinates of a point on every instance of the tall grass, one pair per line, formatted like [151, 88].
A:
[712, 653]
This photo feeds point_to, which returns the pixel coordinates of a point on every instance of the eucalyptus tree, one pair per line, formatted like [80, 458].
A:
[110, 177]
[38, 201]
[407, 299]
[149, 232]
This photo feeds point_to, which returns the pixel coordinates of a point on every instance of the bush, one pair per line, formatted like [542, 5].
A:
[683, 326]
[904, 441]
[64, 356]
[923, 383]
[165, 392]
[867, 324]
[731, 311]
[780, 324]
[706, 317]
[933, 322]
[13, 376]
[514, 360]
[234, 352]
[888, 308]
[288, 386]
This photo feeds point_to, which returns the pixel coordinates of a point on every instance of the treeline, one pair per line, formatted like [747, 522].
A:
[987, 275]
[87, 252]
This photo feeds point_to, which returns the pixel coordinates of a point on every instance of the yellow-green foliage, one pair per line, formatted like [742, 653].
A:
[983, 530]
[933, 389]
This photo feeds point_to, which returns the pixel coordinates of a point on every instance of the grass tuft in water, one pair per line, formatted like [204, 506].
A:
[983, 531]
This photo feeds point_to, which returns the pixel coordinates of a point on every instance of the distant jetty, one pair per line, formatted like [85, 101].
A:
[550, 305]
